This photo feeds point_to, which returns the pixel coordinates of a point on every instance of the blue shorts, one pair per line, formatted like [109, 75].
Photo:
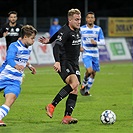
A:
[9, 88]
[91, 62]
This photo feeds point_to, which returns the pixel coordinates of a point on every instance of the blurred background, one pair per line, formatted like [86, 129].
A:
[114, 16]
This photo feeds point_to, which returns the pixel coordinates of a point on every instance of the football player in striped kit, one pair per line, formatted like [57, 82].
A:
[12, 69]
[92, 36]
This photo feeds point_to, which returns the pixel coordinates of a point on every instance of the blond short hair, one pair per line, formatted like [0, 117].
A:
[28, 30]
[73, 11]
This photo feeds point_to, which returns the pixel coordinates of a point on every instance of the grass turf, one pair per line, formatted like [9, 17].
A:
[112, 90]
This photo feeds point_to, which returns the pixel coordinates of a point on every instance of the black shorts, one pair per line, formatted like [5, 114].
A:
[67, 68]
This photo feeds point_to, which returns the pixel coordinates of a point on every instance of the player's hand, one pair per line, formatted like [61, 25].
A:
[93, 42]
[57, 67]
[19, 67]
[81, 49]
[43, 40]
[32, 69]
[5, 34]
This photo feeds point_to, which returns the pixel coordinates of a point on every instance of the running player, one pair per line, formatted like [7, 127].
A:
[11, 72]
[66, 53]
[91, 36]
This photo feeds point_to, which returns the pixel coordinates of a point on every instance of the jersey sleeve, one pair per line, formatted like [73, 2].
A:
[101, 40]
[11, 54]
[61, 38]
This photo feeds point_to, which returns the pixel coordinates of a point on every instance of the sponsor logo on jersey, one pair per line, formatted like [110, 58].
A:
[76, 42]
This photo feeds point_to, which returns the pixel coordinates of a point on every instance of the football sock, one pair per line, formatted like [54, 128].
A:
[3, 111]
[90, 82]
[86, 77]
[70, 104]
[62, 94]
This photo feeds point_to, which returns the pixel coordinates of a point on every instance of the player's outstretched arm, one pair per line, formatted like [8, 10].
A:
[43, 40]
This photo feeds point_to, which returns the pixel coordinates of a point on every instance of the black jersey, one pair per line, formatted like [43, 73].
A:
[69, 42]
[13, 33]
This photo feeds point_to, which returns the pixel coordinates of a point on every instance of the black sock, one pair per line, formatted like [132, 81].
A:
[62, 94]
[70, 104]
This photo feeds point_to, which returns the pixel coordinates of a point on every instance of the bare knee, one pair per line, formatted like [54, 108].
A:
[74, 85]
[75, 88]
[10, 99]
[89, 70]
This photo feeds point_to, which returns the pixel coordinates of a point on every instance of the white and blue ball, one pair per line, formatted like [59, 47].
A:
[108, 117]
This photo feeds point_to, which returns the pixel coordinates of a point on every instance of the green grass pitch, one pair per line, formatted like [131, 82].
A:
[112, 90]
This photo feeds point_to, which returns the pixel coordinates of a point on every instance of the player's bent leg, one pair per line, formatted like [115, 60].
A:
[86, 77]
[10, 99]
[72, 80]
[50, 110]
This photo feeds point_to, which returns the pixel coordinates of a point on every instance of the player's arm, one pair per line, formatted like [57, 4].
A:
[81, 49]
[31, 68]
[11, 54]
[56, 53]
[101, 40]
[3, 32]
[59, 41]
[45, 40]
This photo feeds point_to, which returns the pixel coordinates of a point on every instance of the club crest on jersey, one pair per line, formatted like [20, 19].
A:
[17, 29]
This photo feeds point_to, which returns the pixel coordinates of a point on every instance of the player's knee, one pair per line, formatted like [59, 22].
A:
[89, 70]
[75, 85]
[75, 92]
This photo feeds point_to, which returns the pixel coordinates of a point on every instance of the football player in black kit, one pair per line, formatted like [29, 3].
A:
[66, 51]
[11, 30]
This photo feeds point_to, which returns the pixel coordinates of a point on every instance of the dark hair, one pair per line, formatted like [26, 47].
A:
[12, 12]
[90, 12]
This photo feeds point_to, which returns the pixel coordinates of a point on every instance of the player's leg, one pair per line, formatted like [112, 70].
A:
[90, 83]
[87, 60]
[4, 109]
[11, 93]
[61, 94]
[96, 67]
[71, 100]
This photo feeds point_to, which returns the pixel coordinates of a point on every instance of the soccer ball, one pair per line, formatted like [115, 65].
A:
[108, 117]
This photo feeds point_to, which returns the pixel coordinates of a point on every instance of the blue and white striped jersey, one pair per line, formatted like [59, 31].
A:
[87, 34]
[16, 54]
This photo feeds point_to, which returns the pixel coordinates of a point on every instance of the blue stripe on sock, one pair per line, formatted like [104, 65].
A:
[4, 109]
[3, 113]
